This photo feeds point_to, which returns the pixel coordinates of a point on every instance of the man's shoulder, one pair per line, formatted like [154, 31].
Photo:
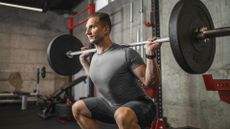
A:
[122, 47]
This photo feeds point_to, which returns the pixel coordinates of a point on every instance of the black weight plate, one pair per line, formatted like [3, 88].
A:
[57, 58]
[63, 110]
[194, 56]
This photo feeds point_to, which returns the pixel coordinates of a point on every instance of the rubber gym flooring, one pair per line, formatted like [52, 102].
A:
[12, 117]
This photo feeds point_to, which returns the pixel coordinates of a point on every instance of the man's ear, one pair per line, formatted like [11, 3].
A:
[107, 30]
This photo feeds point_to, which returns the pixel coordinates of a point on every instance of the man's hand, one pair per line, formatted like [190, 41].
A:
[84, 56]
[84, 60]
[151, 47]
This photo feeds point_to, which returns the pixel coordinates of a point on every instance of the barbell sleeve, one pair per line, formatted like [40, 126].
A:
[212, 33]
[70, 54]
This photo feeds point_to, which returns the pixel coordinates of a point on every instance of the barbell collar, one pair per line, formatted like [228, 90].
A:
[70, 54]
[204, 33]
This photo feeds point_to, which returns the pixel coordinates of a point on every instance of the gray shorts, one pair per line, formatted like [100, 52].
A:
[101, 110]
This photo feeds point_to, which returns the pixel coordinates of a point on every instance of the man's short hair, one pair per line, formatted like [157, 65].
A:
[104, 19]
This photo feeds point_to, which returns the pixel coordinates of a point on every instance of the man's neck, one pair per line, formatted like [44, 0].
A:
[103, 46]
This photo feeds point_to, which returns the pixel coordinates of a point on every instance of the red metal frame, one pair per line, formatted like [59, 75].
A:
[91, 11]
[70, 23]
[220, 85]
[152, 92]
[159, 123]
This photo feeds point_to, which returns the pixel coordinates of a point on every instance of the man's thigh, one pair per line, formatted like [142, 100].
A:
[100, 109]
[145, 110]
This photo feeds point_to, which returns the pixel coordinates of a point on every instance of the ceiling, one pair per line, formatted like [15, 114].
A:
[59, 6]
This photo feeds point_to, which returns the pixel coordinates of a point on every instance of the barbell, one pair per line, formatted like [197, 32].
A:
[191, 36]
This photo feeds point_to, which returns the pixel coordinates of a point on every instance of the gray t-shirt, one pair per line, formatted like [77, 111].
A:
[111, 72]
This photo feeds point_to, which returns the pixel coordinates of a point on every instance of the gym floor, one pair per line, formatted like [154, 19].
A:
[12, 117]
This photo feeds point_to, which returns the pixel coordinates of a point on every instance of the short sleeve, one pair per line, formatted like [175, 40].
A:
[133, 58]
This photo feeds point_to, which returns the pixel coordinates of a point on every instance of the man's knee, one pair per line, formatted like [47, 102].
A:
[75, 109]
[79, 108]
[125, 116]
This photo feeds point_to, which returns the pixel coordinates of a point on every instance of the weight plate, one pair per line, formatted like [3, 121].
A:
[63, 110]
[194, 56]
[57, 58]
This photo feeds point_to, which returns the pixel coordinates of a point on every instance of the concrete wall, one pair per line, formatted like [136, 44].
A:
[24, 37]
[186, 102]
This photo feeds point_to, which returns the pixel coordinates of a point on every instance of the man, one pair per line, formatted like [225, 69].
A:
[116, 71]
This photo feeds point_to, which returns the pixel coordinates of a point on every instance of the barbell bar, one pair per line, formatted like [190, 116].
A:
[70, 54]
[202, 34]
[191, 37]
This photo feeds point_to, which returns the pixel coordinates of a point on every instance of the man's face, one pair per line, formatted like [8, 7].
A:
[94, 31]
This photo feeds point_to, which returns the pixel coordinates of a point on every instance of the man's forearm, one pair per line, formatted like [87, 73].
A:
[152, 73]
